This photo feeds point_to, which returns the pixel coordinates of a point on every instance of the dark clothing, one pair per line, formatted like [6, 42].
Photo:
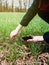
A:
[46, 37]
[43, 5]
[44, 16]
[38, 6]
[43, 12]
[32, 11]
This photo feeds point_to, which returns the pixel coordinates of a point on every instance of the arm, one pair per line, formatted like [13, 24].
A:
[45, 38]
[26, 19]
[32, 11]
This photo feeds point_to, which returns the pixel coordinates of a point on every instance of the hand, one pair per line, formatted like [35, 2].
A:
[13, 34]
[36, 39]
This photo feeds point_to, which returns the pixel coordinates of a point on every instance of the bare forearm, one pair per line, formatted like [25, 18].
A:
[39, 38]
[19, 27]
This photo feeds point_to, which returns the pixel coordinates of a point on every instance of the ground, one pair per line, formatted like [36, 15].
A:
[15, 52]
[24, 59]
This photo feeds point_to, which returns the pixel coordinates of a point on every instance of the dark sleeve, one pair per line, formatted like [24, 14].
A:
[46, 37]
[30, 14]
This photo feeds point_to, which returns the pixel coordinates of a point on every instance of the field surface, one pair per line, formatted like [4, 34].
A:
[11, 51]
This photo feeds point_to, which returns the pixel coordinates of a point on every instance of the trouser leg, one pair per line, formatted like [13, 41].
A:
[46, 37]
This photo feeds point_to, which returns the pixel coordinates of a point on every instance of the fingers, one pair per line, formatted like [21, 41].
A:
[12, 37]
[13, 34]
[31, 40]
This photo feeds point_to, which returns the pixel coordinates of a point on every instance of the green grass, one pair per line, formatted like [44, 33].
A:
[9, 21]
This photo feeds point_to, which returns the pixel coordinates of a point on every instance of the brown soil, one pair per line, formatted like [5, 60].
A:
[26, 59]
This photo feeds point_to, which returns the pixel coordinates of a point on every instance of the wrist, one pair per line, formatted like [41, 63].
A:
[18, 27]
[38, 38]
